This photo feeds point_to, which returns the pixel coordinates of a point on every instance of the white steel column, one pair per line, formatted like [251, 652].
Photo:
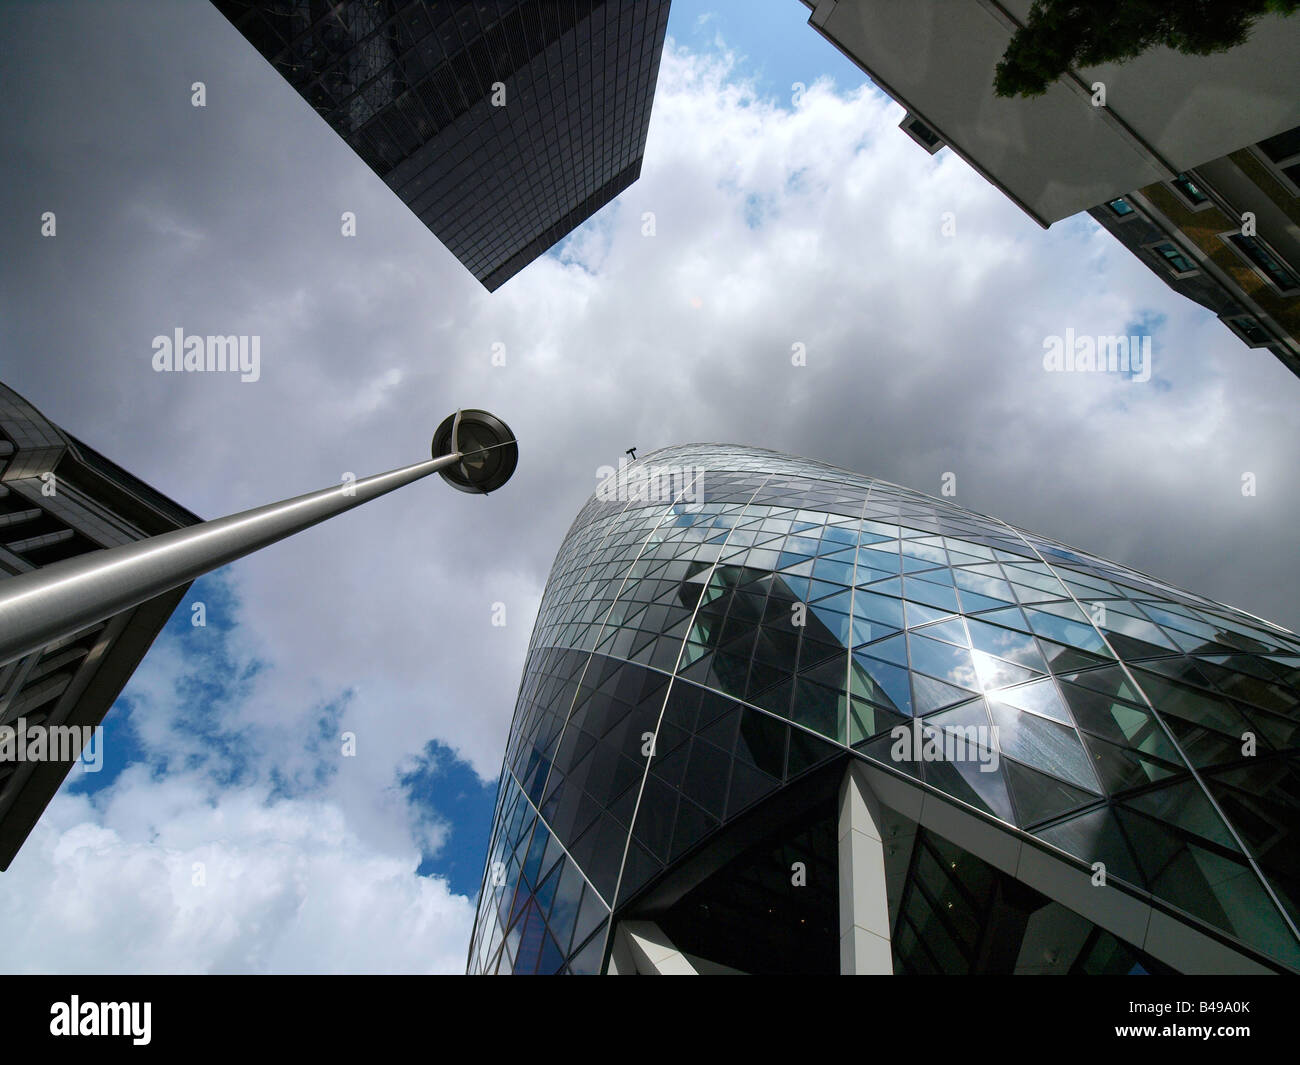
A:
[642, 949]
[864, 901]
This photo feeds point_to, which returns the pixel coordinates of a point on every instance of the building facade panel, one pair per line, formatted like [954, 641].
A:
[1060, 153]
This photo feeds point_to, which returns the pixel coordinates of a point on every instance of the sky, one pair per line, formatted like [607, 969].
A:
[229, 831]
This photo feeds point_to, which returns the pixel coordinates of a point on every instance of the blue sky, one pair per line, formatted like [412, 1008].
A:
[752, 31]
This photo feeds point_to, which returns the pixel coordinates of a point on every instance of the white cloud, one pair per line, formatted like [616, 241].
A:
[166, 876]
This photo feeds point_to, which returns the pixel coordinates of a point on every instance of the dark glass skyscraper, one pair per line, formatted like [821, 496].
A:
[503, 124]
[781, 717]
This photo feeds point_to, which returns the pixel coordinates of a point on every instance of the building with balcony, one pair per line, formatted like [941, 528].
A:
[59, 499]
[1192, 162]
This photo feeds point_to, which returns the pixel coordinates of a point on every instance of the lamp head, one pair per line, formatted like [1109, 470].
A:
[490, 452]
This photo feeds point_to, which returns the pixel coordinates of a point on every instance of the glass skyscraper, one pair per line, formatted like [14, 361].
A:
[781, 717]
[503, 124]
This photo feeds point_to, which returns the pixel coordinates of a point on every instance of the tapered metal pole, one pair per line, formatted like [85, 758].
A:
[65, 597]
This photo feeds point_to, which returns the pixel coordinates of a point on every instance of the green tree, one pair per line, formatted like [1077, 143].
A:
[1061, 34]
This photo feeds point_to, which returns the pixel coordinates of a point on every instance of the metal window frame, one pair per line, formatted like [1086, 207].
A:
[1232, 322]
[1134, 212]
[906, 126]
[1275, 168]
[1168, 266]
[1226, 237]
[1207, 200]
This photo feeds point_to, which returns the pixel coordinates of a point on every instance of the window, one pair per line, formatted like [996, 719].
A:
[924, 133]
[1194, 197]
[1282, 152]
[1172, 256]
[1264, 261]
[1250, 330]
[917, 129]
[1120, 207]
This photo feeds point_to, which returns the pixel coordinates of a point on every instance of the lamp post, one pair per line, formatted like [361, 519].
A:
[472, 450]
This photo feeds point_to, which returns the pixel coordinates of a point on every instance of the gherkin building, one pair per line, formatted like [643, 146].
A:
[779, 717]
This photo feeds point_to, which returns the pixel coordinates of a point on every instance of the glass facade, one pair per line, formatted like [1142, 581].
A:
[724, 625]
[503, 124]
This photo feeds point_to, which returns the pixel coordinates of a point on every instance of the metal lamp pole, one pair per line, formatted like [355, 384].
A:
[473, 451]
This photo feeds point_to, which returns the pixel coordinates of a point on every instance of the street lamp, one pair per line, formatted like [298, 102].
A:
[473, 451]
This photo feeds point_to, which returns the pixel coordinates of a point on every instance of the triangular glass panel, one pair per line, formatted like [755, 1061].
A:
[1119, 722]
[762, 742]
[893, 586]
[972, 713]
[1011, 617]
[1191, 704]
[813, 651]
[807, 751]
[819, 708]
[935, 595]
[883, 749]
[867, 720]
[1044, 745]
[892, 649]
[1122, 769]
[1073, 633]
[1196, 644]
[797, 589]
[1040, 697]
[883, 611]
[776, 698]
[697, 669]
[1247, 687]
[1040, 797]
[918, 615]
[968, 781]
[821, 589]
[1007, 644]
[748, 785]
[930, 694]
[972, 602]
[1185, 805]
[941, 576]
[1065, 659]
[1132, 650]
[833, 672]
[1278, 731]
[942, 660]
[1095, 836]
[1109, 680]
[882, 683]
[994, 673]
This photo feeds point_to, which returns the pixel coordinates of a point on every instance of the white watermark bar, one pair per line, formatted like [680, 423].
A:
[649, 483]
[924, 742]
[21, 742]
[1083, 353]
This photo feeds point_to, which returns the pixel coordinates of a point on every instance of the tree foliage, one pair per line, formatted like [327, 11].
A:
[1060, 34]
